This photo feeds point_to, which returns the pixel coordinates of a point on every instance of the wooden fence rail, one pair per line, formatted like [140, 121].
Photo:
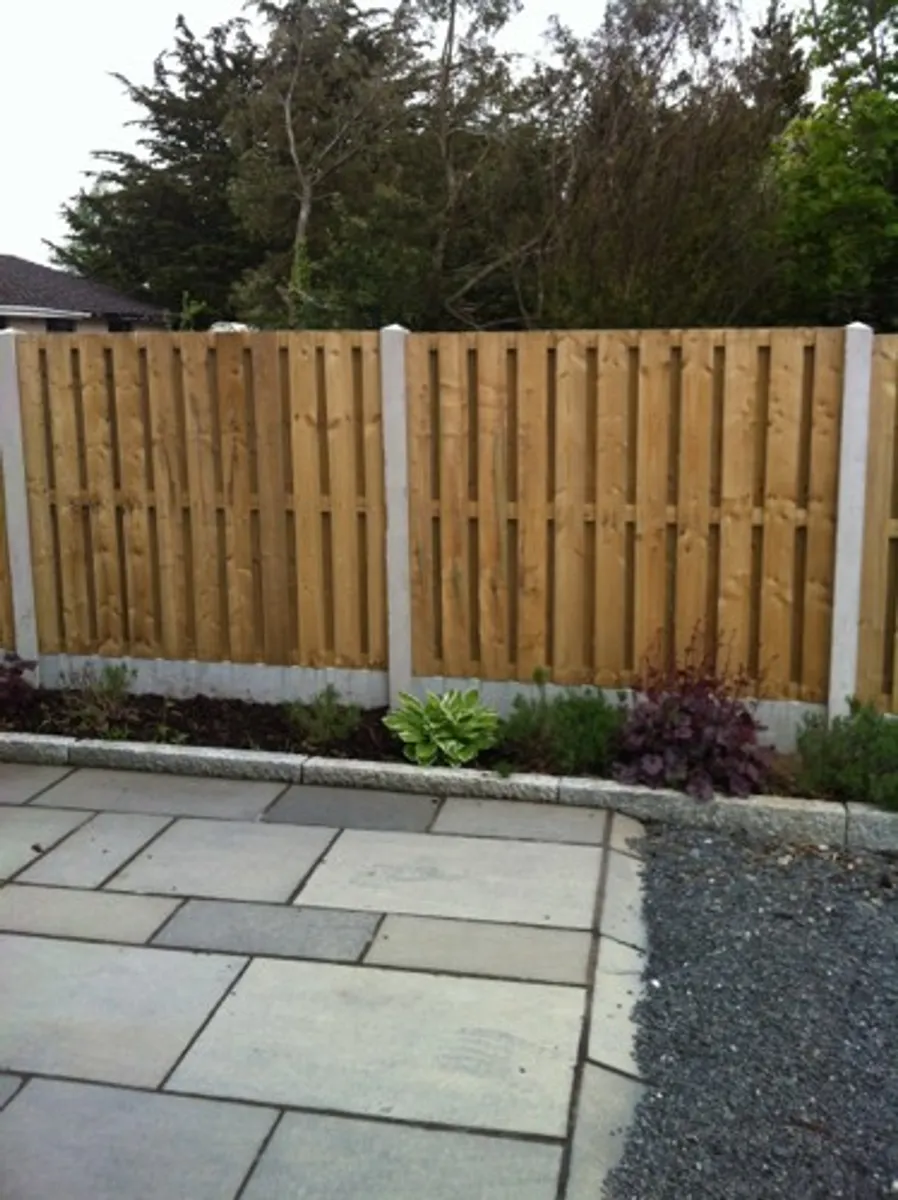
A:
[578, 502]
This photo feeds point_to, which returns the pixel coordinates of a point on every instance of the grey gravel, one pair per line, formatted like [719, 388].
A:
[768, 1031]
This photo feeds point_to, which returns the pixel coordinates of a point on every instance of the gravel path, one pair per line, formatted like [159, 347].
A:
[769, 1028]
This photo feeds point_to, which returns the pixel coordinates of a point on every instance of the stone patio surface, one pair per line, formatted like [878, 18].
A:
[212, 989]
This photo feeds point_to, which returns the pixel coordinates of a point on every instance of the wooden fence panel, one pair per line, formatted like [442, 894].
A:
[879, 593]
[656, 493]
[193, 495]
[7, 629]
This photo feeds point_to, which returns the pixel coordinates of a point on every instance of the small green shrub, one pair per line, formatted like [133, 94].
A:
[851, 758]
[98, 703]
[574, 733]
[451, 730]
[325, 721]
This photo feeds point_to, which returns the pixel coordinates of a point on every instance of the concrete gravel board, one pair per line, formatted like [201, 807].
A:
[481, 948]
[225, 860]
[479, 1053]
[343, 1159]
[98, 849]
[84, 1142]
[164, 795]
[529, 883]
[120, 1014]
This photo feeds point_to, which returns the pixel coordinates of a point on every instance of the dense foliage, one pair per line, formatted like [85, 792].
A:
[851, 758]
[318, 164]
[449, 730]
[571, 733]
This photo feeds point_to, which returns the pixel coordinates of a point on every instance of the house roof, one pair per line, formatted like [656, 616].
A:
[28, 285]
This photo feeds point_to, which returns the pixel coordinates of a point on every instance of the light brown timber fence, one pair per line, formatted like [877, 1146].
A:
[576, 501]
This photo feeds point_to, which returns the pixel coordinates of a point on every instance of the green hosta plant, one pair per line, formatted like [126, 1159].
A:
[448, 730]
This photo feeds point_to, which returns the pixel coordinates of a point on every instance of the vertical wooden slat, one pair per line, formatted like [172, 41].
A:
[375, 509]
[420, 436]
[132, 439]
[43, 559]
[165, 451]
[307, 499]
[822, 499]
[737, 480]
[453, 451]
[533, 470]
[611, 500]
[201, 490]
[98, 450]
[651, 496]
[492, 506]
[694, 497]
[7, 628]
[235, 469]
[73, 553]
[343, 498]
[880, 487]
[783, 451]
[272, 496]
[570, 489]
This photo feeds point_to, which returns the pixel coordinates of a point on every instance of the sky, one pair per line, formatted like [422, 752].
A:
[59, 101]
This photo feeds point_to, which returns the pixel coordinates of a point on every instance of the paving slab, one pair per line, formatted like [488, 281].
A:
[478, 1053]
[85, 1142]
[622, 907]
[25, 833]
[164, 795]
[19, 782]
[98, 849]
[604, 1112]
[528, 883]
[518, 819]
[119, 1014]
[626, 833]
[227, 860]
[275, 930]
[9, 1085]
[65, 912]
[480, 948]
[354, 808]
[337, 1158]
[618, 985]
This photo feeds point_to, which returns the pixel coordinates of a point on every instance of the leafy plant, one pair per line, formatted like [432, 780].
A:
[851, 758]
[99, 703]
[325, 721]
[574, 733]
[14, 684]
[451, 729]
[690, 728]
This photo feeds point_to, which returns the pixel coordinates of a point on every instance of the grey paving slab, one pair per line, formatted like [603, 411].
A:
[84, 1142]
[518, 819]
[164, 795]
[119, 1014]
[315, 1157]
[622, 907]
[20, 781]
[270, 929]
[227, 860]
[25, 833]
[9, 1085]
[65, 912]
[100, 847]
[481, 1053]
[604, 1112]
[529, 883]
[618, 985]
[480, 948]
[626, 834]
[354, 808]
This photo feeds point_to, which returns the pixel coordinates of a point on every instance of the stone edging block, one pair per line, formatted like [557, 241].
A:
[784, 818]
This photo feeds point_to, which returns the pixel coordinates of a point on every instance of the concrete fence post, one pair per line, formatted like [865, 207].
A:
[18, 530]
[395, 441]
[858, 369]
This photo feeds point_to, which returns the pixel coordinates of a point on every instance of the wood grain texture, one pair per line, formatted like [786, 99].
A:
[568, 610]
[651, 496]
[453, 505]
[374, 500]
[694, 487]
[425, 659]
[611, 506]
[492, 505]
[532, 473]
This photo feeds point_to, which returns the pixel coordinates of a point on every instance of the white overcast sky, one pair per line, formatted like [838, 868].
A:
[58, 101]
